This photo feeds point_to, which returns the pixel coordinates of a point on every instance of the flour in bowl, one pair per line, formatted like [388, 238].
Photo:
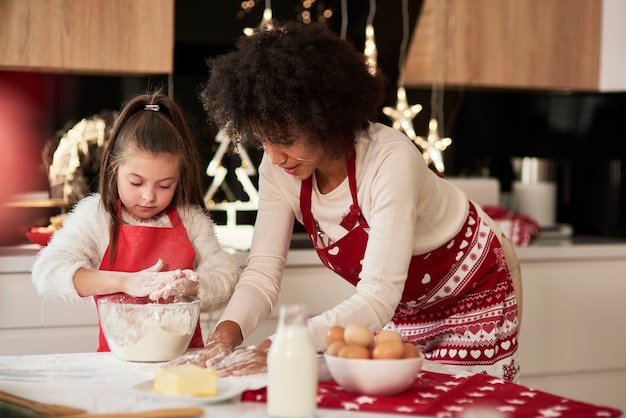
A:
[148, 332]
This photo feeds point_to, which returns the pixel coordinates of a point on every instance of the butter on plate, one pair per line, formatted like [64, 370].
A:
[185, 380]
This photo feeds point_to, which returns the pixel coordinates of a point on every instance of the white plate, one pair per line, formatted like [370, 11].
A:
[225, 391]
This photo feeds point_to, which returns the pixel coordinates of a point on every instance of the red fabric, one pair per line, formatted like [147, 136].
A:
[520, 229]
[449, 396]
[458, 304]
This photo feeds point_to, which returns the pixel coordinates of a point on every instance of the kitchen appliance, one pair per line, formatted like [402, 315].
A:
[485, 191]
[535, 189]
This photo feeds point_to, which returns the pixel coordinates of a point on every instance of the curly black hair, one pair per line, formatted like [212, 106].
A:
[293, 78]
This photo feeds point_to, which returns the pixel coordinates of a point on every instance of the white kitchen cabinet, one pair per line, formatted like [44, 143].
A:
[30, 325]
[573, 328]
[315, 285]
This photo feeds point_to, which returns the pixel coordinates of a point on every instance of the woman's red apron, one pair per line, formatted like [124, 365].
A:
[458, 304]
[140, 247]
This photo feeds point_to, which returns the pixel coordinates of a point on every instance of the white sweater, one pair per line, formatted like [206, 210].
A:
[409, 208]
[84, 238]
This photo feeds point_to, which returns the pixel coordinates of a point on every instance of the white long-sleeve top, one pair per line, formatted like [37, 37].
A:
[410, 210]
[84, 238]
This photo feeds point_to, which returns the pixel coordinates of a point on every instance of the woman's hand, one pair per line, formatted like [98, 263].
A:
[241, 362]
[212, 353]
[219, 353]
[225, 361]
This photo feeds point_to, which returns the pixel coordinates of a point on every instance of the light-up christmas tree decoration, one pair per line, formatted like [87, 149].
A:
[232, 234]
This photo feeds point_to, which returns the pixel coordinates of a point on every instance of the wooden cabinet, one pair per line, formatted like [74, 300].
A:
[531, 44]
[87, 36]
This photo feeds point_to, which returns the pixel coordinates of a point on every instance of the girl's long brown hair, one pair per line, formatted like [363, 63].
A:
[158, 131]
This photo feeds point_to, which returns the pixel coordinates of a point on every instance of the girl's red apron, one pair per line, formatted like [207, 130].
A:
[140, 247]
[458, 304]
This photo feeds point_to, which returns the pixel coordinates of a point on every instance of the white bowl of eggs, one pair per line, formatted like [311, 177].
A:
[363, 364]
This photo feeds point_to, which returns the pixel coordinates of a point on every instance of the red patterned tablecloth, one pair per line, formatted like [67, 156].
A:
[448, 396]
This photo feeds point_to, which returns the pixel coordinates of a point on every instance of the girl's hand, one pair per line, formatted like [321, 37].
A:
[145, 282]
[183, 283]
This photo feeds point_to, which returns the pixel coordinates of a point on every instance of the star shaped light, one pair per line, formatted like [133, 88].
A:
[402, 115]
[433, 146]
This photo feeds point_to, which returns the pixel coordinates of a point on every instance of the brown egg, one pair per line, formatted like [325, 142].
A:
[334, 348]
[388, 350]
[410, 350]
[386, 335]
[334, 333]
[357, 334]
[354, 351]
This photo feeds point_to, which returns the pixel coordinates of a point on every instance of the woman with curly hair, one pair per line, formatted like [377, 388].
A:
[425, 260]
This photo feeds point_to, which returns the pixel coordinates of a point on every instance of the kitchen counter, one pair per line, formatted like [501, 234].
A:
[559, 277]
[21, 257]
[99, 383]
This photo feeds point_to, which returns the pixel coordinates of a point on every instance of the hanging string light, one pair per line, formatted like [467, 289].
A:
[371, 52]
[344, 19]
[402, 114]
[266, 21]
[433, 145]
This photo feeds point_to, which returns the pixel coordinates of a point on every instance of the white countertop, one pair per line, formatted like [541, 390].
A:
[19, 259]
[99, 383]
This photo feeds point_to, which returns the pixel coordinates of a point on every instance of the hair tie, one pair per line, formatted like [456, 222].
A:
[153, 107]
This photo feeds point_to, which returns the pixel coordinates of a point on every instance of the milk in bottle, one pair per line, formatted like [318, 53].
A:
[292, 367]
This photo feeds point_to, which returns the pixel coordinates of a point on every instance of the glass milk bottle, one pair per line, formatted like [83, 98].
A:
[292, 366]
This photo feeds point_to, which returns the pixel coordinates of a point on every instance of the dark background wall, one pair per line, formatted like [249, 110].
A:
[583, 133]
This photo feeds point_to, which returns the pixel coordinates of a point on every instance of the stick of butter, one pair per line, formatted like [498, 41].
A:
[186, 380]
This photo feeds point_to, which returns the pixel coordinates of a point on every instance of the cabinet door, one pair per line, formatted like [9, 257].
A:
[87, 36]
[31, 325]
[316, 286]
[573, 331]
[573, 316]
[21, 307]
[537, 44]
